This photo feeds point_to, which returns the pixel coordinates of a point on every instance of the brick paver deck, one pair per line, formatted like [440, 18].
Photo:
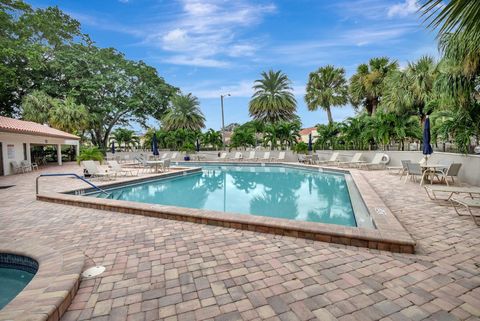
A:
[161, 269]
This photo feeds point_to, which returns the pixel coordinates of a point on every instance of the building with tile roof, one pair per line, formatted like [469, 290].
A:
[24, 141]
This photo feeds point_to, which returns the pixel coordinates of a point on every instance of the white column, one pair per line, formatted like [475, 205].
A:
[59, 154]
[29, 154]
[77, 148]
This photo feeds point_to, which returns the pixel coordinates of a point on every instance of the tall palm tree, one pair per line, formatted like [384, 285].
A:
[184, 113]
[273, 99]
[366, 85]
[410, 91]
[326, 87]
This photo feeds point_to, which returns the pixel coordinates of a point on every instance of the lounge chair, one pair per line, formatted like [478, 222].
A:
[301, 158]
[376, 163]
[266, 156]
[355, 161]
[281, 157]
[95, 171]
[314, 159]
[432, 191]
[333, 159]
[468, 203]
[119, 170]
[238, 156]
[166, 165]
[251, 156]
[164, 156]
[174, 155]
[223, 156]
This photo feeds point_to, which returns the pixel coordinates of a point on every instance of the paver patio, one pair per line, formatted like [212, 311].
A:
[162, 269]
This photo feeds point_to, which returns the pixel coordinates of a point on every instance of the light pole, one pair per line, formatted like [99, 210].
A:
[223, 120]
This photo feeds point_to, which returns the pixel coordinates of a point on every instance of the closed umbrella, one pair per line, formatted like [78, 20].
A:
[198, 145]
[155, 145]
[113, 148]
[427, 148]
[310, 147]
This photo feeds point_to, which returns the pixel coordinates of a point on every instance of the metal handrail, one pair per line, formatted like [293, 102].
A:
[70, 174]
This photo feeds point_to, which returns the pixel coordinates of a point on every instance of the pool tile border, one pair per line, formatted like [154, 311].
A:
[389, 234]
[53, 287]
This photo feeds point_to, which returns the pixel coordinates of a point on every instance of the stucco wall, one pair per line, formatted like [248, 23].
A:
[17, 141]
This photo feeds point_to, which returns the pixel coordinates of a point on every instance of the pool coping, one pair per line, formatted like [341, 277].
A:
[389, 234]
[50, 292]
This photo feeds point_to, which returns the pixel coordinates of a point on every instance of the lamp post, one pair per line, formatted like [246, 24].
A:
[223, 120]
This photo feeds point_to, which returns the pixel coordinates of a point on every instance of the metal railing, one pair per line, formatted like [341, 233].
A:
[70, 174]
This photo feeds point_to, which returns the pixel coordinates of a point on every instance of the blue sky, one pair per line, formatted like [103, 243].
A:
[210, 47]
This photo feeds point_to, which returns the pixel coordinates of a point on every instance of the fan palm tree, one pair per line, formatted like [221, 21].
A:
[366, 85]
[184, 113]
[273, 99]
[326, 87]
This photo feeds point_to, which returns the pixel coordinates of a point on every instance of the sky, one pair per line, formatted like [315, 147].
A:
[214, 47]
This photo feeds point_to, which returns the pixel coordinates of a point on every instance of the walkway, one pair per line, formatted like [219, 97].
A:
[161, 269]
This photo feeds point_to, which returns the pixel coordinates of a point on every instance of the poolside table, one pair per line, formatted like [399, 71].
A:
[156, 163]
[431, 169]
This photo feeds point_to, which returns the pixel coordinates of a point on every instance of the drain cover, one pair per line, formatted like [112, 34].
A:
[93, 271]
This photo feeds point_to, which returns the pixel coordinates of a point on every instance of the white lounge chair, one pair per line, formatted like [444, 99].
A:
[238, 156]
[354, 162]
[174, 155]
[332, 159]
[433, 190]
[119, 170]
[164, 156]
[266, 156]
[251, 156]
[223, 156]
[376, 163]
[95, 171]
[281, 157]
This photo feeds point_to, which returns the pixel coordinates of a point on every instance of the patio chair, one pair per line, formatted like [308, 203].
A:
[223, 156]
[95, 171]
[164, 156]
[17, 169]
[414, 170]
[119, 170]
[401, 170]
[432, 191]
[332, 159]
[468, 204]
[174, 155]
[166, 165]
[28, 166]
[452, 171]
[301, 158]
[355, 161]
[251, 156]
[376, 163]
[266, 156]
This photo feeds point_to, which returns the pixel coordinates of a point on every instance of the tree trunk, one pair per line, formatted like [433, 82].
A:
[329, 115]
[374, 105]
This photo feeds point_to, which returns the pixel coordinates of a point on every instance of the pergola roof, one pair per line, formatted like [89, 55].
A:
[30, 128]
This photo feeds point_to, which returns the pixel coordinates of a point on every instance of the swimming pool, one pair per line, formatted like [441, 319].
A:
[271, 191]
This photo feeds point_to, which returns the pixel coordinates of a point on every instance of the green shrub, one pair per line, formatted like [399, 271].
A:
[301, 148]
[91, 153]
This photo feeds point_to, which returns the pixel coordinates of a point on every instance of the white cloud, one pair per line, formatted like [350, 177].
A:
[403, 9]
[195, 61]
[207, 29]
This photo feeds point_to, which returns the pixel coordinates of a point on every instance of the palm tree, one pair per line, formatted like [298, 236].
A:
[410, 91]
[184, 113]
[288, 133]
[243, 136]
[273, 99]
[327, 136]
[366, 85]
[326, 87]
[212, 138]
[125, 136]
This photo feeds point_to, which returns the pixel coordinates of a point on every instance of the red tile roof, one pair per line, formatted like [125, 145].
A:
[30, 128]
[307, 131]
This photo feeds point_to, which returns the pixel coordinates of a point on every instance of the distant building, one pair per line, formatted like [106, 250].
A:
[307, 131]
[19, 139]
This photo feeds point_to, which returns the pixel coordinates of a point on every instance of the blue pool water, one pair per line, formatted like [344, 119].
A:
[12, 281]
[273, 191]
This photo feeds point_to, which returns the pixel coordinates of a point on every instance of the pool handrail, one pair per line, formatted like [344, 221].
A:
[69, 174]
